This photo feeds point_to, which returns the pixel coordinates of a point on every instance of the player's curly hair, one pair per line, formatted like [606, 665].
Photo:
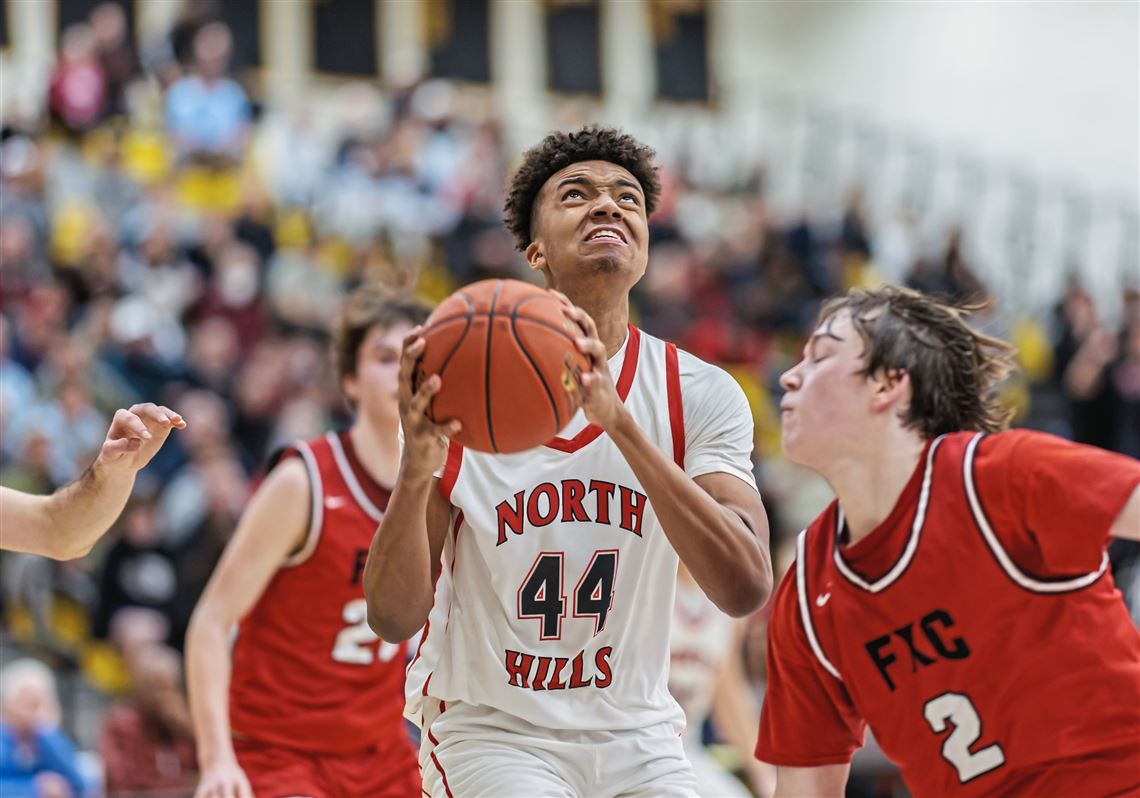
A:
[954, 370]
[370, 305]
[559, 150]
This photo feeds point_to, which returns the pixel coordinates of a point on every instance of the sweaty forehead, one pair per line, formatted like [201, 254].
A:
[598, 173]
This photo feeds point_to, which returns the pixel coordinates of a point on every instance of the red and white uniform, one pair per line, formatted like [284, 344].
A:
[308, 673]
[555, 599]
[977, 630]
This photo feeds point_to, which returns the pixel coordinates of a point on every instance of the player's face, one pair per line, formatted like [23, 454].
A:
[827, 399]
[373, 388]
[590, 220]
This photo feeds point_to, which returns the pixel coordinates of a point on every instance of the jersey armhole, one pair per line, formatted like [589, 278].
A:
[316, 513]
[676, 407]
[1011, 569]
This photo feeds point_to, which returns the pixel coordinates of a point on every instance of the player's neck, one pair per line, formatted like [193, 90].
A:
[869, 488]
[377, 449]
[609, 310]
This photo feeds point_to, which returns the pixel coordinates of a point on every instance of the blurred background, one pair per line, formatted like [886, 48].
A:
[189, 188]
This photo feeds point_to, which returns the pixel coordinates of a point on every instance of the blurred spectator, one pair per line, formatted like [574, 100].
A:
[147, 741]
[140, 570]
[116, 53]
[951, 278]
[207, 112]
[37, 760]
[77, 98]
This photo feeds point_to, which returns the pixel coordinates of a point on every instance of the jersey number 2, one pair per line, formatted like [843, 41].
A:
[959, 711]
[541, 597]
[356, 644]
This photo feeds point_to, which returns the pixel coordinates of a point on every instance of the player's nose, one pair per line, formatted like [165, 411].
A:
[605, 206]
[790, 379]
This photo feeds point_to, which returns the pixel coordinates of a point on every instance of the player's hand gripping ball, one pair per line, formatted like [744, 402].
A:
[508, 365]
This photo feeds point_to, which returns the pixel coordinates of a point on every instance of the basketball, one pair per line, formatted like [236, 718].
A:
[509, 366]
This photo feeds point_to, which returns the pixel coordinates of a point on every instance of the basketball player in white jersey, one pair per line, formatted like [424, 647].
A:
[706, 676]
[549, 575]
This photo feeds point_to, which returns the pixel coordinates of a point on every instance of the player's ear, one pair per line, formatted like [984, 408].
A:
[892, 388]
[349, 387]
[535, 256]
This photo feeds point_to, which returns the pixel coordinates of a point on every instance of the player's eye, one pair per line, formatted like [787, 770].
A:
[629, 197]
[570, 194]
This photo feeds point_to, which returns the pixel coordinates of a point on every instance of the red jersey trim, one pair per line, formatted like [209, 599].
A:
[624, 383]
[805, 612]
[911, 545]
[1006, 562]
[349, 477]
[451, 470]
[676, 408]
[316, 517]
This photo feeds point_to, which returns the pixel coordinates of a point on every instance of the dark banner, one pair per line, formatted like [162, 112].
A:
[4, 35]
[680, 31]
[344, 37]
[458, 36]
[573, 46]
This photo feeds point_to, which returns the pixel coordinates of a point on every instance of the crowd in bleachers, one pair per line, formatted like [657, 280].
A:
[164, 238]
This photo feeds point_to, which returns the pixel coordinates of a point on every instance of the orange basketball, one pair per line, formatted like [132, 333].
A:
[509, 368]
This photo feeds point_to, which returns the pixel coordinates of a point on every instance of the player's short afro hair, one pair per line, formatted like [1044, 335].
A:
[559, 150]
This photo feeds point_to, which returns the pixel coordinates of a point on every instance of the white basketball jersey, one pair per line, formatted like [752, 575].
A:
[555, 597]
[703, 637]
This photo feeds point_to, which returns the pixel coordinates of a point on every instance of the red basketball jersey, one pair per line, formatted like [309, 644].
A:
[308, 672]
[977, 630]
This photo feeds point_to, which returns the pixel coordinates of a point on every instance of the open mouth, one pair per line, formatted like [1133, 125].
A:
[606, 234]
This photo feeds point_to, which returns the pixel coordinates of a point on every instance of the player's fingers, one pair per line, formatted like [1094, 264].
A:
[125, 423]
[593, 349]
[449, 428]
[409, 355]
[424, 394]
[172, 418]
[122, 446]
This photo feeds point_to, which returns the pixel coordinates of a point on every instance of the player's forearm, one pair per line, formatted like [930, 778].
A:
[208, 672]
[78, 514]
[716, 545]
[397, 576]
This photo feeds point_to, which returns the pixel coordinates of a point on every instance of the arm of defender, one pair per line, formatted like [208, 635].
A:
[1127, 523]
[828, 781]
[66, 524]
[399, 582]
[273, 525]
[735, 715]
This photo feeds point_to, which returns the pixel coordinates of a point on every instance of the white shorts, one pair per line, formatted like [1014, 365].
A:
[471, 751]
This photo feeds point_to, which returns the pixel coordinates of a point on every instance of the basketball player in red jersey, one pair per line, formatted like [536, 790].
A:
[311, 702]
[548, 645]
[956, 597]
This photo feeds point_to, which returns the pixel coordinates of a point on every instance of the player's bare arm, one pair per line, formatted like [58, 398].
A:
[406, 547]
[828, 781]
[66, 524]
[1127, 523]
[716, 523]
[272, 527]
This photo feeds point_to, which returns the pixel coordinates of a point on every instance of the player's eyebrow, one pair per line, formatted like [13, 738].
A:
[580, 181]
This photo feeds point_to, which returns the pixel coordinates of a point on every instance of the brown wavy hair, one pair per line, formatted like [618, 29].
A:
[559, 150]
[954, 370]
[370, 305]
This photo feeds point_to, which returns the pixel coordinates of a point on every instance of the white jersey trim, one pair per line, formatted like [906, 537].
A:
[317, 512]
[911, 545]
[1007, 564]
[350, 479]
[805, 613]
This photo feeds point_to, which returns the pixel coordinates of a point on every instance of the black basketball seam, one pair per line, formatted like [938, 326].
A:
[443, 366]
[538, 371]
[487, 366]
